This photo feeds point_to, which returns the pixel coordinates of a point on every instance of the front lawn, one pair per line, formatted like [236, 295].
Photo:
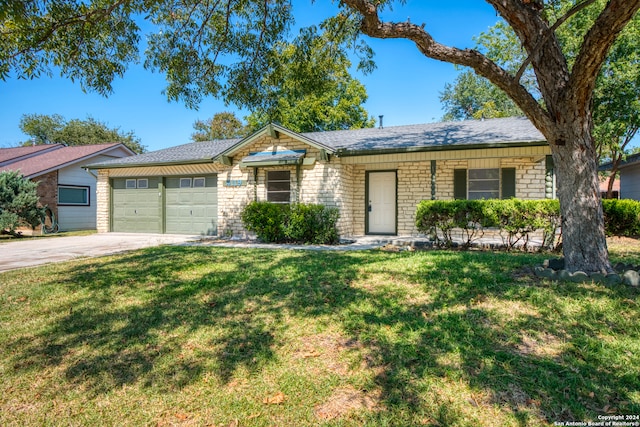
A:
[233, 337]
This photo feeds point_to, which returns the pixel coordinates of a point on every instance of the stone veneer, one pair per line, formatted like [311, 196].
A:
[103, 196]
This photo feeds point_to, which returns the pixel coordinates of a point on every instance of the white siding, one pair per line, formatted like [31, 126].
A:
[79, 217]
[630, 183]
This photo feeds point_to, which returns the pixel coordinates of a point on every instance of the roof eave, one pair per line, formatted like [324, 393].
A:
[147, 164]
[344, 152]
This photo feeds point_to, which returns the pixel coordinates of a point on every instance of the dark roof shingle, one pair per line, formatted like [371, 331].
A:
[54, 159]
[186, 153]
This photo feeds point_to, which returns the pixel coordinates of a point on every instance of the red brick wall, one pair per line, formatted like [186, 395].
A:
[48, 190]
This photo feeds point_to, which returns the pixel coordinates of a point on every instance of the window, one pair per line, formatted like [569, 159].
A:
[185, 182]
[199, 182]
[279, 186]
[493, 183]
[484, 184]
[73, 195]
[131, 183]
[143, 183]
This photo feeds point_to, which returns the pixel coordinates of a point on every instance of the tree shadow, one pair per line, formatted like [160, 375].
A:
[164, 317]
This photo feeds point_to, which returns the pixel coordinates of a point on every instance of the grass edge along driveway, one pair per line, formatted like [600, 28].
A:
[216, 336]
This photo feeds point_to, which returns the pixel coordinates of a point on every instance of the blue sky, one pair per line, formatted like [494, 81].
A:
[404, 88]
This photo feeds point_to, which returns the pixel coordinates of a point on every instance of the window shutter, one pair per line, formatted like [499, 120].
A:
[508, 183]
[460, 184]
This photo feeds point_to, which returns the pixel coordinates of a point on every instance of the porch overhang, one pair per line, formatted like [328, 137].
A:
[276, 158]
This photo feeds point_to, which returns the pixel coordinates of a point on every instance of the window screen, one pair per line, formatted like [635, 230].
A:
[484, 184]
[71, 195]
[279, 186]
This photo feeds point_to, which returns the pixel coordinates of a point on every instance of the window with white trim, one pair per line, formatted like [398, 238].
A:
[199, 182]
[279, 186]
[185, 182]
[73, 195]
[143, 183]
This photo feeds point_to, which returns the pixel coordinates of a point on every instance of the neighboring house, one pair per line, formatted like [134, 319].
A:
[629, 175]
[375, 176]
[64, 186]
[604, 187]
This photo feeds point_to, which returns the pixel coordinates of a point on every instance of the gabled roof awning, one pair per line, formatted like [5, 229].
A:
[276, 158]
[274, 131]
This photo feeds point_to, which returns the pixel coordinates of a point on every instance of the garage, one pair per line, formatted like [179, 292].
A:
[191, 205]
[172, 205]
[137, 205]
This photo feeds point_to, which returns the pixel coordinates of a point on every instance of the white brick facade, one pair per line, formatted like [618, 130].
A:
[341, 181]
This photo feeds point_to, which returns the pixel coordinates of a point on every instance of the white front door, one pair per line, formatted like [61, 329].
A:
[381, 207]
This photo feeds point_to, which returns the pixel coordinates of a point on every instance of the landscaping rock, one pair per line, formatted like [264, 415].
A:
[598, 277]
[631, 278]
[613, 279]
[554, 263]
[547, 273]
[579, 277]
[564, 275]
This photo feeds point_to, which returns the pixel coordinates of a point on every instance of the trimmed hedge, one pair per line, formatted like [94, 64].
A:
[516, 219]
[298, 222]
[621, 217]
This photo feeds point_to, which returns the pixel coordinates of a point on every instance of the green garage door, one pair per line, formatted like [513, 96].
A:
[191, 205]
[136, 205]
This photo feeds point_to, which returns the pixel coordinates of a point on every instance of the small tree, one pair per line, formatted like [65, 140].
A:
[18, 203]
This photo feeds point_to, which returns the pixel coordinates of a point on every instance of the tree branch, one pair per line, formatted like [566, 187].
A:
[615, 16]
[372, 26]
[575, 9]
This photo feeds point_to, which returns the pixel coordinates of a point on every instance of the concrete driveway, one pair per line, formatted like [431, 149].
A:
[33, 252]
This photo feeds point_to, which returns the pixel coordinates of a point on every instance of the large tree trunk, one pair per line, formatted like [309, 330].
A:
[584, 243]
[565, 115]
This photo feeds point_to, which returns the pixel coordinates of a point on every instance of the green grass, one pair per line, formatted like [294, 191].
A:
[224, 337]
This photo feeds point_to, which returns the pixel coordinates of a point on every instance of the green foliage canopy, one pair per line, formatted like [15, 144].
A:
[616, 104]
[224, 125]
[54, 129]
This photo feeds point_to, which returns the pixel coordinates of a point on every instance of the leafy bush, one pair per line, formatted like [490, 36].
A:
[308, 223]
[18, 202]
[299, 222]
[516, 219]
[266, 220]
[621, 217]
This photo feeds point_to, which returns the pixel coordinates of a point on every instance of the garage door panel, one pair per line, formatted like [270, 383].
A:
[136, 209]
[187, 210]
[191, 210]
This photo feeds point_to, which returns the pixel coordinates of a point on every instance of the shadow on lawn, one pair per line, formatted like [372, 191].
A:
[165, 317]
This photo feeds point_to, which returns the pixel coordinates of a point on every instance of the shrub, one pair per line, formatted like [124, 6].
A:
[266, 220]
[308, 223]
[621, 217]
[299, 222]
[18, 202]
[517, 219]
